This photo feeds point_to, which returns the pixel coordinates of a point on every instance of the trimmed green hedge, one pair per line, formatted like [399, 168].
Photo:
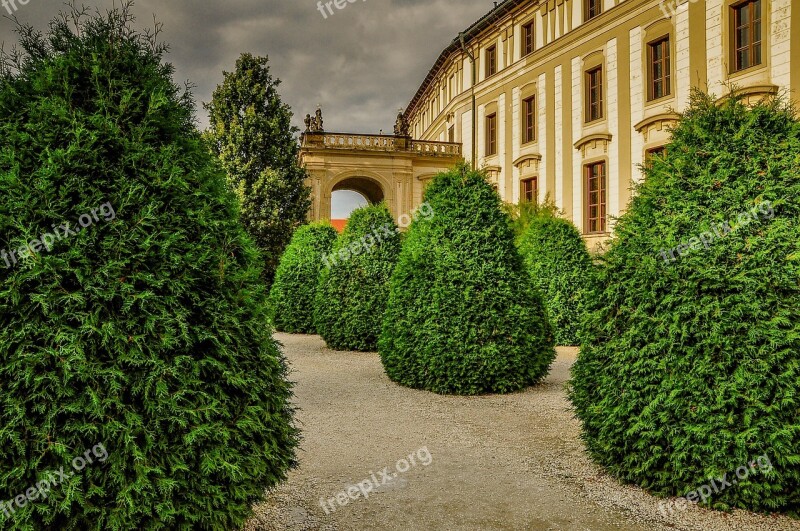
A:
[354, 283]
[689, 367]
[463, 316]
[556, 256]
[292, 294]
[141, 334]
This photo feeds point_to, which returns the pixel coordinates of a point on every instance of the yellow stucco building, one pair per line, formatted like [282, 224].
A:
[564, 98]
[570, 96]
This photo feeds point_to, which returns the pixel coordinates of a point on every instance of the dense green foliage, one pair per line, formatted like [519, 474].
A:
[561, 269]
[354, 283]
[463, 316]
[689, 366]
[146, 330]
[251, 132]
[523, 213]
[295, 286]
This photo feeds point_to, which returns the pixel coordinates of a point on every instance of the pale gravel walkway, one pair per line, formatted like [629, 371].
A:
[510, 462]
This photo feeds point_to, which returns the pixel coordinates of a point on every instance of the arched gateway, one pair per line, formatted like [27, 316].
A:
[391, 168]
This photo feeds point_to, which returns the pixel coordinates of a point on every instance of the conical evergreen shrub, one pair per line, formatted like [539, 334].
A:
[689, 368]
[463, 316]
[292, 294]
[136, 357]
[354, 283]
[557, 259]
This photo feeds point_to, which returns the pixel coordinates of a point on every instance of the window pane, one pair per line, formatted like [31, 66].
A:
[527, 31]
[743, 15]
[595, 197]
[742, 59]
[743, 37]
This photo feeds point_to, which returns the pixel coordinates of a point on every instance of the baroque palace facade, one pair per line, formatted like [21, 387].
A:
[567, 98]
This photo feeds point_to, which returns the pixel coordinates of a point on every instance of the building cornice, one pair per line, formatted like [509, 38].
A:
[488, 20]
[650, 120]
[603, 137]
[525, 158]
[541, 55]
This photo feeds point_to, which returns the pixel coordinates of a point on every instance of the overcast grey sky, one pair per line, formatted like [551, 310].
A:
[361, 64]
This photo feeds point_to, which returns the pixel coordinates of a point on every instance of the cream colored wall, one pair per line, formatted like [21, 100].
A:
[637, 97]
[402, 176]
[780, 42]
[541, 139]
[699, 57]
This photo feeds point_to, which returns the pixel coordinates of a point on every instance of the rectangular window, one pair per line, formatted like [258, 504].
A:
[527, 39]
[529, 190]
[491, 135]
[746, 26]
[659, 69]
[451, 134]
[491, 61]
[453, 91]
[528, 120]
[594, 94]
[596, 197]
[659, 151]
[591, 9]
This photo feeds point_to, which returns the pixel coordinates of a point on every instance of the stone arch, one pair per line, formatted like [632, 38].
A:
[369, 188]
[373, 186]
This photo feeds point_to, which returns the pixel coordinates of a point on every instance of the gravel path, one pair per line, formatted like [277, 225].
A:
[511, 462]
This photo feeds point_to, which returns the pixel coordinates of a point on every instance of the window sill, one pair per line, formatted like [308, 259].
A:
[659, 101]
[746, 71]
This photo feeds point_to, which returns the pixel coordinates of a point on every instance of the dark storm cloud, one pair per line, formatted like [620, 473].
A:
[361, 64]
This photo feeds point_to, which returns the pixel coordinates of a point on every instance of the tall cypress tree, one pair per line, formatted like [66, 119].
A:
[295, 287]
[354, 283]
[132, 309]
[689, 364]
[561, 269]
[252, 135]
[462, 315]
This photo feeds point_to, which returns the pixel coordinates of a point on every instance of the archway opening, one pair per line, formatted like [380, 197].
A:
[353, 193]
[344, 202]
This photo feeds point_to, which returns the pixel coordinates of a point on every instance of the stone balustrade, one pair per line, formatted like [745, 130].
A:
[367, 142]
[436, 148]
[380, 143]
